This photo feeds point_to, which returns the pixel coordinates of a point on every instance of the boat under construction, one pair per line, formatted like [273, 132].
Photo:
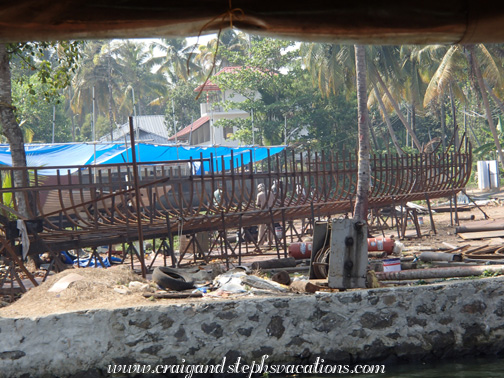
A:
[87, 206]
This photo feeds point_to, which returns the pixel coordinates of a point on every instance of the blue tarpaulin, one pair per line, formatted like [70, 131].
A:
[220, 155]
[74, 154]
[90, 262]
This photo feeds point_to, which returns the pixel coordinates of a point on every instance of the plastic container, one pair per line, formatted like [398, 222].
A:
[392, 265]
[279, 232]
[381, 244]
[300, 250]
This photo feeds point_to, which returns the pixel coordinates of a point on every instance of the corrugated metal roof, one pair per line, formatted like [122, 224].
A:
[149, 124]
[193, 126]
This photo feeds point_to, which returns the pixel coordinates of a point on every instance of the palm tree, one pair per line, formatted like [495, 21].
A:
[331, 66]
[215, 55]
[136, 77]
[475, 65]
[383, 67]
[10, 127]
[174, 62]
[464, 61]
[414, 80]
[386, 118]
[446, 79]
[98, 70]
[361, 204]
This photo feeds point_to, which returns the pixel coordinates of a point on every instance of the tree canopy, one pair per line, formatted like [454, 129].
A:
[416, 95]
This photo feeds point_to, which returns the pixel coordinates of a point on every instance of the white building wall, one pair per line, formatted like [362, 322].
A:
[217, 113]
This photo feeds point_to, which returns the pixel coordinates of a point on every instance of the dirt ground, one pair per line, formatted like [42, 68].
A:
[119, 287]
[446, 230]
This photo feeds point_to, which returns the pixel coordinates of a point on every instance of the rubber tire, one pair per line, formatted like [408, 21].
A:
[171, 279]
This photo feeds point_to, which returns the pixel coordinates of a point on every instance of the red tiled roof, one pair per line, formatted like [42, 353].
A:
[193, 126]
[209, 86]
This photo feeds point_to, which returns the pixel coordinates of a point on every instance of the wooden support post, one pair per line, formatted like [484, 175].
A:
[433, 226]
[273, 232]
[137, 198]
[239, 239]
[284, 233]
[170, 241]
[224, 239]
[456, 209]
[17, 260]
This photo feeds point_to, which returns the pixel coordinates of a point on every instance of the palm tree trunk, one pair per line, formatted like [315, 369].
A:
[454, 115]
[481, 84]
[442, 119]
[109, 84]
[11, 130]
[413, 117]
[398, 112]
[494, 97]
[473, 133]
[361, 204]
[373, 136]
[387, 120]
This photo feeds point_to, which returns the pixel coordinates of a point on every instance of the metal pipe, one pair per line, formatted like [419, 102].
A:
[137, 198]
[464, 271]
[440, 256]
[54, 122]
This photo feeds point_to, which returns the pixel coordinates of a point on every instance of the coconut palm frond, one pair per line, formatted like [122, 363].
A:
[492, 72]
[459, 94]
[441, 76]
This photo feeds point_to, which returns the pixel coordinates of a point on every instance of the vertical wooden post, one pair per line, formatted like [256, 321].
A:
[137, 198]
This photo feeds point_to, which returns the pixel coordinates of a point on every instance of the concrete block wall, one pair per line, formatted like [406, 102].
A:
[409, 323]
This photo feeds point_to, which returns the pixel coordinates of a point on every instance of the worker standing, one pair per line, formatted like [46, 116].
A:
[217, 196]
[264, 201]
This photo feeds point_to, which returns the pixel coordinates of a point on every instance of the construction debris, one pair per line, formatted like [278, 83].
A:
[440, 256]
[303, 286]
[465, 271]
[482, 235]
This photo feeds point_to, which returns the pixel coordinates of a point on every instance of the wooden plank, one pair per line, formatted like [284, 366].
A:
[482, 235]
[174, 295]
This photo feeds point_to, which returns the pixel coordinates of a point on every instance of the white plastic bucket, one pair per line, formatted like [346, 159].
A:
[392, 265]
[279, 232]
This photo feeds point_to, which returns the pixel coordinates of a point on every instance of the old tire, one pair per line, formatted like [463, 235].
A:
[171, 279]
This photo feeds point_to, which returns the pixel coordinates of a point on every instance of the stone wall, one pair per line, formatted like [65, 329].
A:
[411, 323]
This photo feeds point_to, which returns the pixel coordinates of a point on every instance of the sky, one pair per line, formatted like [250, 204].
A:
[190, 40]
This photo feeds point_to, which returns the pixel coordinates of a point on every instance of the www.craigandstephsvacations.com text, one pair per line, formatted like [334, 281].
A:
[246, 369]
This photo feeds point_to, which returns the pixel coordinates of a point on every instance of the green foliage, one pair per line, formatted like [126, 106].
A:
[102, 128]
[487, 150]
[39, 72]
[181, 104]
[261, 73]
[7, 197]
[54, 63]
[243, 125]
[34, 111]
[311, 86]
[286, 96]
[488, 273]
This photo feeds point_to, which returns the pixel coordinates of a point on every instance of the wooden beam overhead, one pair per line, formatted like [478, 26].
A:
[361, 21]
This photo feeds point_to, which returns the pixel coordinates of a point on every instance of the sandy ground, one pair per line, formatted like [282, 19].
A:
[445, 226]
[113, 288]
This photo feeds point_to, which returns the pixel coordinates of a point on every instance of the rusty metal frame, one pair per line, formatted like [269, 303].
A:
[90, 206]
